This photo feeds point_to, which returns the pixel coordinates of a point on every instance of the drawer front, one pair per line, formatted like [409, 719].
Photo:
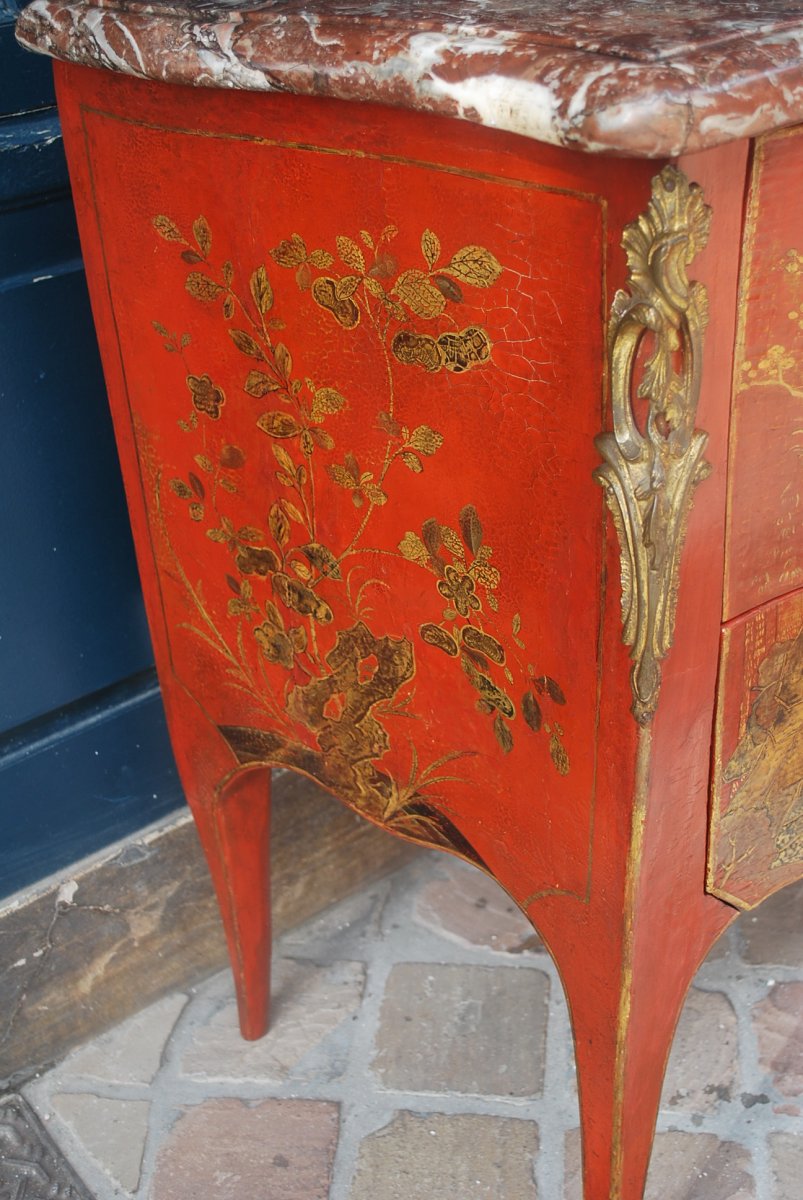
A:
[756, 842]
[765, 518]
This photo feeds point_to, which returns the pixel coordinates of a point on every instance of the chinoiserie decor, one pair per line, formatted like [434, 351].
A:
[383, 296]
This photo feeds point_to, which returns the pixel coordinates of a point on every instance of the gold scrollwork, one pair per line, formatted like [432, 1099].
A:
[652, 466]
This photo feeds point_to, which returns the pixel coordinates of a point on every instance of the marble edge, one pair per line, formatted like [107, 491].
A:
[568, 97]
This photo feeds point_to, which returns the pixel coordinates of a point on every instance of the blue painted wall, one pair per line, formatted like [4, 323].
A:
[84, 755]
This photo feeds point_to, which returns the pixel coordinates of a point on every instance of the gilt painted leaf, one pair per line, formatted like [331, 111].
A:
[246, 344]
[322, 438]
[544, 683]
[375, 493]
[201, 287]
[471, 528]
[414, 549]
[374, 287]
[180, 489]
[326, 400]
[291, 252]
[475, 265]
[531, 711]
[293, 512]
[261, 290]
[503, 735]
[483, 643]
[322, 560]
[202, 234]
[421, 297]
[278, 424]
[302, 569]
[341, 476]
[284, 360]
[351, 254]
[448, 288]
[388, 424]
[434, 635]
[412, 461]
[347, 286]
[321, 259]
[259, 384]
[452, 542]
[232, 457]
[284, 460]
[431, 532]
[196, 485]
[430, 247]
[166, 229]
[425, 440]
[279, 525]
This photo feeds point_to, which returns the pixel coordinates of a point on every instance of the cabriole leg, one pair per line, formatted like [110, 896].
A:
[231, 807]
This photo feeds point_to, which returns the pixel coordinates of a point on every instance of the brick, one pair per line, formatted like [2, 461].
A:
[132, 1052]
[419, 1157]
[469, 908]
[786, 1163]
[309, 1004]
[474, 1030]
[703, 1065]
[778, 1022]
[684, 1166]
[112, 1132]
[229, 1150]
[698, 1166]
[342, 931]
[773, 933]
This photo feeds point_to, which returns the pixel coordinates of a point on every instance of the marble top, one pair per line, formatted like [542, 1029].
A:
[642, 77]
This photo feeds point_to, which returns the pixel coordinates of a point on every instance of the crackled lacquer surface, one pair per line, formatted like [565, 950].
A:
[757, 830]
[642, 78]
[356, 420]
[765, 518]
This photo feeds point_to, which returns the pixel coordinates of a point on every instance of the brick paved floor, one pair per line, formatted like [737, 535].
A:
[420, 1050]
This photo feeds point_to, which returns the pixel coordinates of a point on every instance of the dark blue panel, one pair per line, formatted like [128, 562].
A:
[71, 617]
[84, 778]
[26, 80]
[32, 162]
[38, 240]
[84, 753]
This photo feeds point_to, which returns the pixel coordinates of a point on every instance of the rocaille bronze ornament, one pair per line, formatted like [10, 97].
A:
[653, 465]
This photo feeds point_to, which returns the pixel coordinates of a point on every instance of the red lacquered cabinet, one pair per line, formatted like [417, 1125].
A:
[464, 457]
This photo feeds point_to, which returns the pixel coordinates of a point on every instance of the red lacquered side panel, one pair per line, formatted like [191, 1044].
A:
[765, 520]
[365, 385]
[757, 819]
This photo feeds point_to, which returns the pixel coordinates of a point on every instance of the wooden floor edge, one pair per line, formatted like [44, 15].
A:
[107, 937]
